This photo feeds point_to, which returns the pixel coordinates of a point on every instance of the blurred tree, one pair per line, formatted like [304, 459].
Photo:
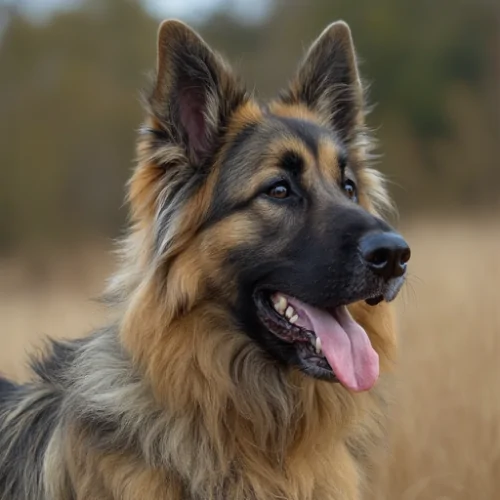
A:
[69, 95]
[69, 102]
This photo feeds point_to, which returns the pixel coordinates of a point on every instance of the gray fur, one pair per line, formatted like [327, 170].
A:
[71, 385]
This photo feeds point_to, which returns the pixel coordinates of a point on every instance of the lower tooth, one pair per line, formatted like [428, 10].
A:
[318, 345]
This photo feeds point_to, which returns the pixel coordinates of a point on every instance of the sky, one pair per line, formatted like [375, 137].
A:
[249, 10]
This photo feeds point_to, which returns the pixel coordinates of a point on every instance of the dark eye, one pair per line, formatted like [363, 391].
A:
[350, 189]
[280, 190]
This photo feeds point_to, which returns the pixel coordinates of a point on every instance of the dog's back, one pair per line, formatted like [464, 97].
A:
[28, 417]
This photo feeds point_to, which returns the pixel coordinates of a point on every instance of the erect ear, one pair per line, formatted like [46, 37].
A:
[328, 81]
[195, 91]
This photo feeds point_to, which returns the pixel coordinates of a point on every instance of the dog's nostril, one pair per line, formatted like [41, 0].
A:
[405, 255]
[378, 257]
[386, 253]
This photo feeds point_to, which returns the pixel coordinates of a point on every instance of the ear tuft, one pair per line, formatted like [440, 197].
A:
[328, 81]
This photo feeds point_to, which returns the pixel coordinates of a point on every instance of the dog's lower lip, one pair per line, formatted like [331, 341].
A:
[373, 301]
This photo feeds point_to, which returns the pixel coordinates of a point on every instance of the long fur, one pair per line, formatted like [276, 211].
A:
[174, 401]
[91, 424]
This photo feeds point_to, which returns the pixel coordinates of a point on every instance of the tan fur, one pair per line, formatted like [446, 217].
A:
[196, 409]
[287, 438]
[297, 111]
[328, 161]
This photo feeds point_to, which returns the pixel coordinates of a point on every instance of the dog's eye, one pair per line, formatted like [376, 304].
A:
[350, 190]
[280, 190]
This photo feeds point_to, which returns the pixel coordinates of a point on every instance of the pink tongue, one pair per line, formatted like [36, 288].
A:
[345, 344]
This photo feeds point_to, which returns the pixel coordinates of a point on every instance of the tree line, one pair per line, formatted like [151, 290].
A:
[69, 100]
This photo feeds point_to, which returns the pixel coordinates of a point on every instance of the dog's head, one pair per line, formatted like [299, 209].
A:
[269, 211]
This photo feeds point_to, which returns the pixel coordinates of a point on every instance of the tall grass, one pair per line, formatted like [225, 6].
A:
[445, 432]
[444, 439]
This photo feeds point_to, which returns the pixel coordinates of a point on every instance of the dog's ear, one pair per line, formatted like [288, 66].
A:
[195, 91]
[328, 81]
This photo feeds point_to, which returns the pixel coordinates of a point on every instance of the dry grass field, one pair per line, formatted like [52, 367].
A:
[445, 432]
[445, 439]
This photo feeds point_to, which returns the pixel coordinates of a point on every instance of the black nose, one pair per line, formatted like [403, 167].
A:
[386, 253]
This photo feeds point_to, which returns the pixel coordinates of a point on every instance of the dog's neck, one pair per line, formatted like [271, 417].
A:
[225, 390]
[204, 402]
[215, 398]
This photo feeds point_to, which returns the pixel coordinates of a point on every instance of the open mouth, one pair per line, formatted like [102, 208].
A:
[329, 342]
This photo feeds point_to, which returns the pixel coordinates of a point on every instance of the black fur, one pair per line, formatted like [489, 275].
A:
[96, 396]
[308, 132]
[32, 411]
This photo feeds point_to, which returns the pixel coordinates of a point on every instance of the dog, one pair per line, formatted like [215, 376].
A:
[254, 332]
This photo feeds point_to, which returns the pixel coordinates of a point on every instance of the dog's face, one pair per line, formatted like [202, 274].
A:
[270, 211]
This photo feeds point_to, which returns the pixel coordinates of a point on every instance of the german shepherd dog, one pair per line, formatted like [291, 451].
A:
[253, 313]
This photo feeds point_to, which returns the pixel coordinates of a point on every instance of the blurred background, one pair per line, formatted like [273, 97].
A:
[71, 72]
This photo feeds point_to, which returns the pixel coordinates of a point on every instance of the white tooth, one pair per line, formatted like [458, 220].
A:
[289, 312]
[293, 319]
[318, 345]
[280, 303]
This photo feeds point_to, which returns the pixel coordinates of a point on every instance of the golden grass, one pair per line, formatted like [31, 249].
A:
[445, 433]
[41, 297]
